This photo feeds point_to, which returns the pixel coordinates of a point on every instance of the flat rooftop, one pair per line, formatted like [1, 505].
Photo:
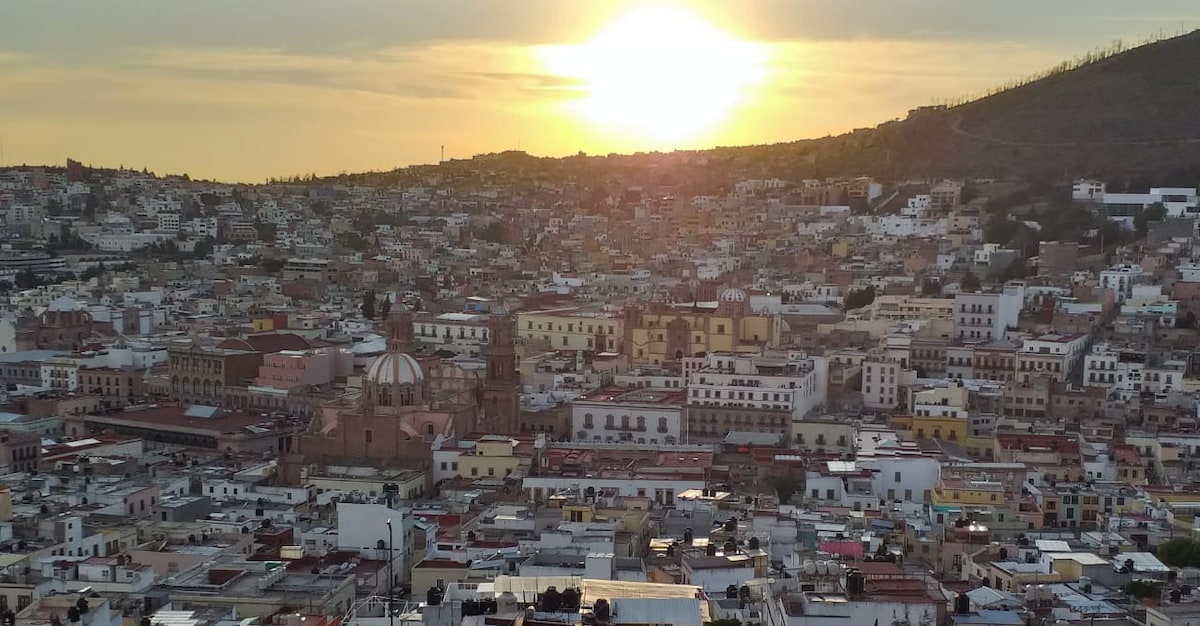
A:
[620, 395]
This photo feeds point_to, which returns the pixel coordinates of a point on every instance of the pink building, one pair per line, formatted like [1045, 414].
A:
[294, 368]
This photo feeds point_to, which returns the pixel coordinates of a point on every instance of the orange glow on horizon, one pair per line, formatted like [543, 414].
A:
[662, 73]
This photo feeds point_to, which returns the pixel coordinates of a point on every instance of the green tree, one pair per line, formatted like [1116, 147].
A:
[1016, 269]
[203, 248]
[95, 271]
[272, 266]
[969, 283]
[1153, 213]
[368, 304]
[860, 298]
[786, 485]
[494, 232]
[385, 308]
[931, 286]
[354, 241]
[1180, 552]
[1142, 589]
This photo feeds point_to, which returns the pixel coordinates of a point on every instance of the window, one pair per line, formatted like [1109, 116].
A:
[368, 436]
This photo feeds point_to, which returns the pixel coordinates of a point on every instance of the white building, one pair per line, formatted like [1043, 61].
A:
[643, 416]
[795, 383]
[1087, 190]
[881, 380]
[168, 222]
[462, 333]
[1052, 354]
[1120, 279]
[1178, 201]
[984, 317]
[364, 528]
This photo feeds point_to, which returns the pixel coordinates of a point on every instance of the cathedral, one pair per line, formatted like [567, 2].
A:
[409, 399]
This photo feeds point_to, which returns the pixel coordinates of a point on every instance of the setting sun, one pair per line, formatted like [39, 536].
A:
[660, 73]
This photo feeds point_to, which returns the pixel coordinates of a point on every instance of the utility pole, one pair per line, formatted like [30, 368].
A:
[391, 572]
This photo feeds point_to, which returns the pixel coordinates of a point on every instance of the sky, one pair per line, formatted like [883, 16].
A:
[242, 90]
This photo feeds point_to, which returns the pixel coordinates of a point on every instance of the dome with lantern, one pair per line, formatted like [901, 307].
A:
[395, 378]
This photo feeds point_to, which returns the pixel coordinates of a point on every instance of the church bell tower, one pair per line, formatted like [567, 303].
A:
[501, 399]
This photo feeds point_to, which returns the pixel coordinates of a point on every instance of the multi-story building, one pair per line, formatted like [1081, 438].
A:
[201, 374]
[985, 316]
[882, 377]
[288, 369]
[905, 307]
[1052, 354]
[576, 328]
[823, 436]
[168, 222]
[117, 386]
[667, 333]
[737, 393]
[313, 270]
[461, 333]
[1088, 190]
[643, 416]
[1120, 279]
[493, 456]
[995, 361]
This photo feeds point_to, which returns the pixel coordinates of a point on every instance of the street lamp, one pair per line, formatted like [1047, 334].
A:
[391, 572]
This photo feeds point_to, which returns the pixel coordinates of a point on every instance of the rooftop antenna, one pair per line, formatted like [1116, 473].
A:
[443, 159]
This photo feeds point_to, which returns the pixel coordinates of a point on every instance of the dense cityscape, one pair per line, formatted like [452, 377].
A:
[483, 392]
[941, 370]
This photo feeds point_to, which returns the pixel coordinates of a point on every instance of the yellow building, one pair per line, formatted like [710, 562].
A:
[958, 493]
[429, 572]
[492, 457]
[586, 329]
[946, 428]
[905, 307]
[672, 332]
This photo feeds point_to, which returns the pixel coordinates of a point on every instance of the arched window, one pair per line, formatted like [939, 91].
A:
[641, 422]
[367, 436]
[587, 420]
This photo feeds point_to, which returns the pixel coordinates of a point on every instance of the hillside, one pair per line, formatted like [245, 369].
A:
[1134, 113]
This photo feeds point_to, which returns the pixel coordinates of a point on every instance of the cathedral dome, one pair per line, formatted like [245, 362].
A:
[395, 369]
[733, 295]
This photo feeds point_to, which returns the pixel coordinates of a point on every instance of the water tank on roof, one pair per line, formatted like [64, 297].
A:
[962, 604]
[506, 603]
[822, 568]
[551, 600]
[602, 610]
[810, 567]
[570, 599]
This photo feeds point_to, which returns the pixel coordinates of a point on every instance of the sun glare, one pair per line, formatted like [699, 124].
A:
[659, 74]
